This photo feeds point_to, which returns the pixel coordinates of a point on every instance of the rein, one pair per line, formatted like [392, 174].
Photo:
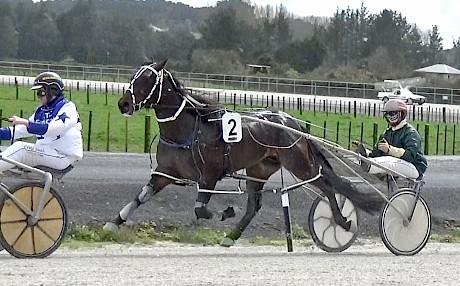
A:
[14, 129]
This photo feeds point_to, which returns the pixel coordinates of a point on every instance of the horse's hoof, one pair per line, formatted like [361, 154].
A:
[111, 227]
[228, 213]
[352, 226]
[202, 212]
[227, 242]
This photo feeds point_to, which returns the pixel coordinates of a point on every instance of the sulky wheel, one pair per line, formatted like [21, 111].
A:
[19, 235]
[327, 235]
[400, 237]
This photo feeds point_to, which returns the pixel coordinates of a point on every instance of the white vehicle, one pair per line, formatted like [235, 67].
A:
[401, 93]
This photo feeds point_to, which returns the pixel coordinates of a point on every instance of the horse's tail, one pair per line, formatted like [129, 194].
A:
[368, 202]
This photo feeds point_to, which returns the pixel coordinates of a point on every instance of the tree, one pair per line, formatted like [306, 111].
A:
[414, 53]
[282, 33]
[390, 31]
[77, 29]
[265, 37]
[175, 44]
[434, 45]
[111, 33]
[347, 35]
[221, 30]
[38, 35]
[8, 36]
[302, 56]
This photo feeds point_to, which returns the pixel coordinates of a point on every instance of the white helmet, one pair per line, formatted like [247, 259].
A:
[395, 111]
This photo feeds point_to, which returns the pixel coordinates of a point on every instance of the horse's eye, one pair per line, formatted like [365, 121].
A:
[148, 73]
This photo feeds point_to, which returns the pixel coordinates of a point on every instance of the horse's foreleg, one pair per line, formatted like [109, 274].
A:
[254, 204]
[155, 185]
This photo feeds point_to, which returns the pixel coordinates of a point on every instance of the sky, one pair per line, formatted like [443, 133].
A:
[443, 13]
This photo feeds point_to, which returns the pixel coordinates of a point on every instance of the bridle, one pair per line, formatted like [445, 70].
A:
[159, 86]
[185, 97]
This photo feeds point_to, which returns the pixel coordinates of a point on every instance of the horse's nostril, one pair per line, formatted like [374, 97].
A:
[123, 106]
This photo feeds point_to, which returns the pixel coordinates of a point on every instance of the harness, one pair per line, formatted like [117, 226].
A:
[172, 144]
[193, 144]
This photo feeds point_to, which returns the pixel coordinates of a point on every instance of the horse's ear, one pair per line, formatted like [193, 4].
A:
[160, 65]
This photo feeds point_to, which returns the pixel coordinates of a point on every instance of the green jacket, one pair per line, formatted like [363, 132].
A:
[407, 138]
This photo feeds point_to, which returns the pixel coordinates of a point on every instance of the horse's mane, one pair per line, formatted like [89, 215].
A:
[202, 99]
[179, 87]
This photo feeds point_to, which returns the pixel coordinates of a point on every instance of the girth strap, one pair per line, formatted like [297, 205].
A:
[167, 142]
[226, 163]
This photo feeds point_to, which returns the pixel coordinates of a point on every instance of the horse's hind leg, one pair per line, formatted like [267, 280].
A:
[300, 163]
[201, 210]
[155, 185]
[339, 219]
[329, 191]
[254, 202]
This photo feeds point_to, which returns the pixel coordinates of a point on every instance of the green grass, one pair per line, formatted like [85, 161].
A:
[449, 233]
[148, 233]
[110, 131]
[145, 233]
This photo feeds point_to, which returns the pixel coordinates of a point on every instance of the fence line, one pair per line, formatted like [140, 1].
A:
[443, 137]
[446, 137]
[439, 134]
[224, 81]
[427, 113]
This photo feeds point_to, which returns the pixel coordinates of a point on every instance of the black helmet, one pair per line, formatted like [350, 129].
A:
[49, 84]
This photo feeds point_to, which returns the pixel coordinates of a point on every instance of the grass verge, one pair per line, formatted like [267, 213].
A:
[148, 233]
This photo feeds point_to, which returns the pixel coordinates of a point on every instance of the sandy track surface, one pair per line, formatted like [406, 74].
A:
[366, 263]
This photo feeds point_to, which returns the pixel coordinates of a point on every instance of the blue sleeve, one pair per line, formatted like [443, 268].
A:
[5, 134]
[37, 128]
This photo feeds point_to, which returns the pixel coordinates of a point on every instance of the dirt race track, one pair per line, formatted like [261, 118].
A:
[102, 183]
[369, 263]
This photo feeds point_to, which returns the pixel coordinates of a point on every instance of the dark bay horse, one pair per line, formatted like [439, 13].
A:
[192, 148]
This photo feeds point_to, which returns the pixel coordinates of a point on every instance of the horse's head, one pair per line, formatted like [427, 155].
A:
[144, 89]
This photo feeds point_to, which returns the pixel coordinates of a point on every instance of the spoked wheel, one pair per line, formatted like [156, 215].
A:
[400, 237]
[19, 234]
[324, 231]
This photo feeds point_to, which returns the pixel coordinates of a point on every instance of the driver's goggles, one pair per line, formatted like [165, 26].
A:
[40, 92]
[391, 113]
